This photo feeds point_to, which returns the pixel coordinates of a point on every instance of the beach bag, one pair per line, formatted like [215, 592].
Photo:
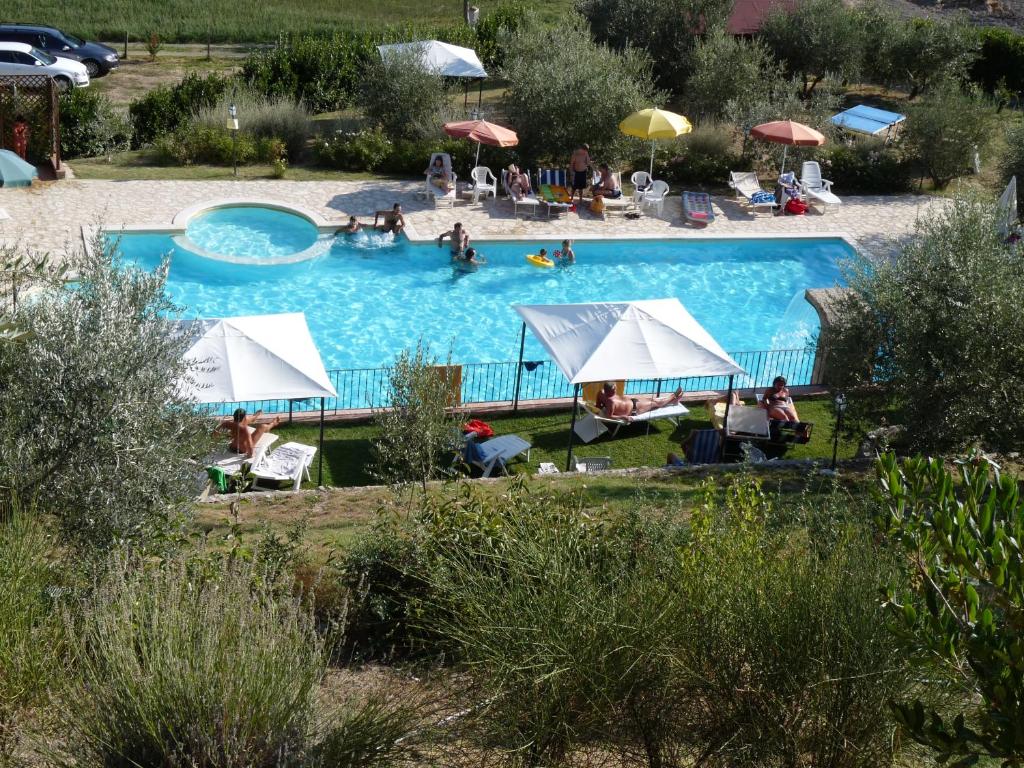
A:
[597, 205]
[480, 428]
[796, 207]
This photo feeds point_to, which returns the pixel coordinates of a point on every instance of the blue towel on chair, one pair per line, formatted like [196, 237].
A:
[762, 197]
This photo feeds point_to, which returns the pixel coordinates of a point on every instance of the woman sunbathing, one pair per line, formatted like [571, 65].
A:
[778, 402]
[627, 408]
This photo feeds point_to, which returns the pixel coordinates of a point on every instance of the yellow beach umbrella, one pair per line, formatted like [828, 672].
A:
[654, 124]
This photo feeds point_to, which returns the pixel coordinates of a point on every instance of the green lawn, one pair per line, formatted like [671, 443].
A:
[347, 446]
[238, 20]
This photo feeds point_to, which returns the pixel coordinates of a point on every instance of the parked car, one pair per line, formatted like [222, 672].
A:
[23, 59]
[98, 59]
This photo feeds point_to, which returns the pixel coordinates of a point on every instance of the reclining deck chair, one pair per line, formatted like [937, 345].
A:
[288, 463]
[434, 192]
[494, 453]
[530, 201]
[816, 188]
[746, 185]
[593, 422]
[553, 191]
[620, 204]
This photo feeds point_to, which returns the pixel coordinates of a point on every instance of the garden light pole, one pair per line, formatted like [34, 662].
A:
[840, 403]
[233, 127]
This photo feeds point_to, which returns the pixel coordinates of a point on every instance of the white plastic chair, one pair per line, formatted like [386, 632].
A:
[813, 186]
[641, 183]
[484, 183]
[655, 196]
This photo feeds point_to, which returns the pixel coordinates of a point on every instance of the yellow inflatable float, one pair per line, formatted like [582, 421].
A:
[540, 261]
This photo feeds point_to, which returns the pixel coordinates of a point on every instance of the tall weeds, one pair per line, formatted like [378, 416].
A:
[262, 118]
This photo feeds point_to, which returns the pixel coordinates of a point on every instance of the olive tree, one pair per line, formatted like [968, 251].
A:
[727, 69]
[938, 328]
[402, 97]
[564, 89]
[93, 427]
[1012, 160]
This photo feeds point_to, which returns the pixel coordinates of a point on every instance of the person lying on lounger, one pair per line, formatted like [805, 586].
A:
[778, 402]
[242, 439]
[626, 408]
[394, 222]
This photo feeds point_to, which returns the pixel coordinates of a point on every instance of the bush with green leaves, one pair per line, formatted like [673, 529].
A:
[93, 427]
[667, 30]
[363, 150]
[560, 79]
[938, 330]
[704, 155]
[945, 128]
[494, 28]
[166, 108]
[216, 145]
[961, 616]
[815, 38]
[404, 98]
[90, 125]
[262, 118]
[868, 166]
[728, 68]
[1012, 161]
[1000, 63]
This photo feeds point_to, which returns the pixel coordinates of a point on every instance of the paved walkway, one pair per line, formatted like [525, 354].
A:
[49, 217]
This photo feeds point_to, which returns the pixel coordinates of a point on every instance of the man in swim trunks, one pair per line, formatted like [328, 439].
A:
[627, 408]
[607, 187]
[244, 439]
[579, 168]
[393, 220]
[459, 239]
[352, 227]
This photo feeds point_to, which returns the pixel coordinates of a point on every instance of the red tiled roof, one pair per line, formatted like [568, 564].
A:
[747, 15]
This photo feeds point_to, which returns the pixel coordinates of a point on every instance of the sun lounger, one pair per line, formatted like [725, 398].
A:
[620, 204]
[530, 202]
[553, 192]
[494, 453]
[287, 463]
[593, 422]
[816, 188]
[703, 446]
[697, 208]
[746, 185]
[441, 197]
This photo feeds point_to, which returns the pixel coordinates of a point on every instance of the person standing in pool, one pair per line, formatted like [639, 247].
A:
[352, 227]
[394, 222]
[579, 167]
[459, 239]
[567, 255]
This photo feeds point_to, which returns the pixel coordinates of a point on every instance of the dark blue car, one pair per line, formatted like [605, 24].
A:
[98, 59]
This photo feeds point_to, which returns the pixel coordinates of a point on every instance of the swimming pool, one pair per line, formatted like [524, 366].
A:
[367, 298]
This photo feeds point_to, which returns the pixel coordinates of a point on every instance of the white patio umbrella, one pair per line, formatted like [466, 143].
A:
[258, 357]
[605, 341]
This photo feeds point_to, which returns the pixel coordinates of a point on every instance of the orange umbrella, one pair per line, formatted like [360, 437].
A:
[789, 133]
[482, 132]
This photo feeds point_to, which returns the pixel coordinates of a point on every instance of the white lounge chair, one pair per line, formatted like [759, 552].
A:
[641, 181]
[287, 463]
[746, 185]
[494, 453]
[484, 183]
[434, 192]
[816, 188]
[655, 196]
[593, 423]
[530, 202]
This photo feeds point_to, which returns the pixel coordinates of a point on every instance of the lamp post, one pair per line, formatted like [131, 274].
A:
[840, 404]
[233, 127]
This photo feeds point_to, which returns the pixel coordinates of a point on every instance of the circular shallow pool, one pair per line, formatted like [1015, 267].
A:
[252, 235]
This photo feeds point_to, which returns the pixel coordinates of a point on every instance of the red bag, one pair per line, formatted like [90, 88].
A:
[796, 207]
[481, 428]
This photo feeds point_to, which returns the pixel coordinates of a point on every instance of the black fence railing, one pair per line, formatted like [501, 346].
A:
[362, 388]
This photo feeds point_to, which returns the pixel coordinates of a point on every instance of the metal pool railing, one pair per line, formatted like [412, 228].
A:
[362, 388]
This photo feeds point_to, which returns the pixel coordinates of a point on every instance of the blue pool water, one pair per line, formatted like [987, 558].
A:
[254, 233]
[367, 298]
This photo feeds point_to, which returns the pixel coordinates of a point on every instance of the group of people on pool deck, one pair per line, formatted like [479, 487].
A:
[580, 168]
[394, 222]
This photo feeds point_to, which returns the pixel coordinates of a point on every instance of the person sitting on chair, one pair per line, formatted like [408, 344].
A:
[439, 175]
[778, 402]
[627, 408]
[518, 182]
[394, 222]
[607, 186]
[242, 439]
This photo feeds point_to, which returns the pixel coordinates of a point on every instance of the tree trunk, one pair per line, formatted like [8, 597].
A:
[465, 11]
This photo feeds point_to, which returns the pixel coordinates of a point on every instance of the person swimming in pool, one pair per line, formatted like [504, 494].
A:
[567, 255]
[458, 240]
[352, 227]
[394, 222]
[626, 407]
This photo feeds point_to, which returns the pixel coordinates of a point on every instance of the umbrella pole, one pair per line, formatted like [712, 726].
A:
[477, 157]
[320, 468]
[480, 95]
[784, 148]
[652, 160]
[725, 422]
[572, 425]
[519, 370]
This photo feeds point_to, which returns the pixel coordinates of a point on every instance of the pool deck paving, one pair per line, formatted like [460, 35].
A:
[51, 217]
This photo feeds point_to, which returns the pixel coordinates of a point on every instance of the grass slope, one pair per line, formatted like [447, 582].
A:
[347, 446]
[236, 20]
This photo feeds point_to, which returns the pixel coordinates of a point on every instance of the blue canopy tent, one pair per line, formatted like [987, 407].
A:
[870, 121]
[15, 172]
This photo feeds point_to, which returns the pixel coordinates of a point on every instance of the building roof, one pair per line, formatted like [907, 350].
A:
[748, 15]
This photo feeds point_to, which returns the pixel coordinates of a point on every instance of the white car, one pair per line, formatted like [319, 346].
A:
[23, 59]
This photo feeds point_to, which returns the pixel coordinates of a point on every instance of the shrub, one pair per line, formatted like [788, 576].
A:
[494, 28]
[1000, 63]
[410, 158]
[402, 97]
[263, 118]
[705, 155]
[664, 30]
[418, 435]
[90, 125]
[358, 151]
[728, 68]
[92, 427]
[868, 166]
[945, 129]
[164, 109]
[1012, 161]
[216, 146]
[560, 79]
[939, 327]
